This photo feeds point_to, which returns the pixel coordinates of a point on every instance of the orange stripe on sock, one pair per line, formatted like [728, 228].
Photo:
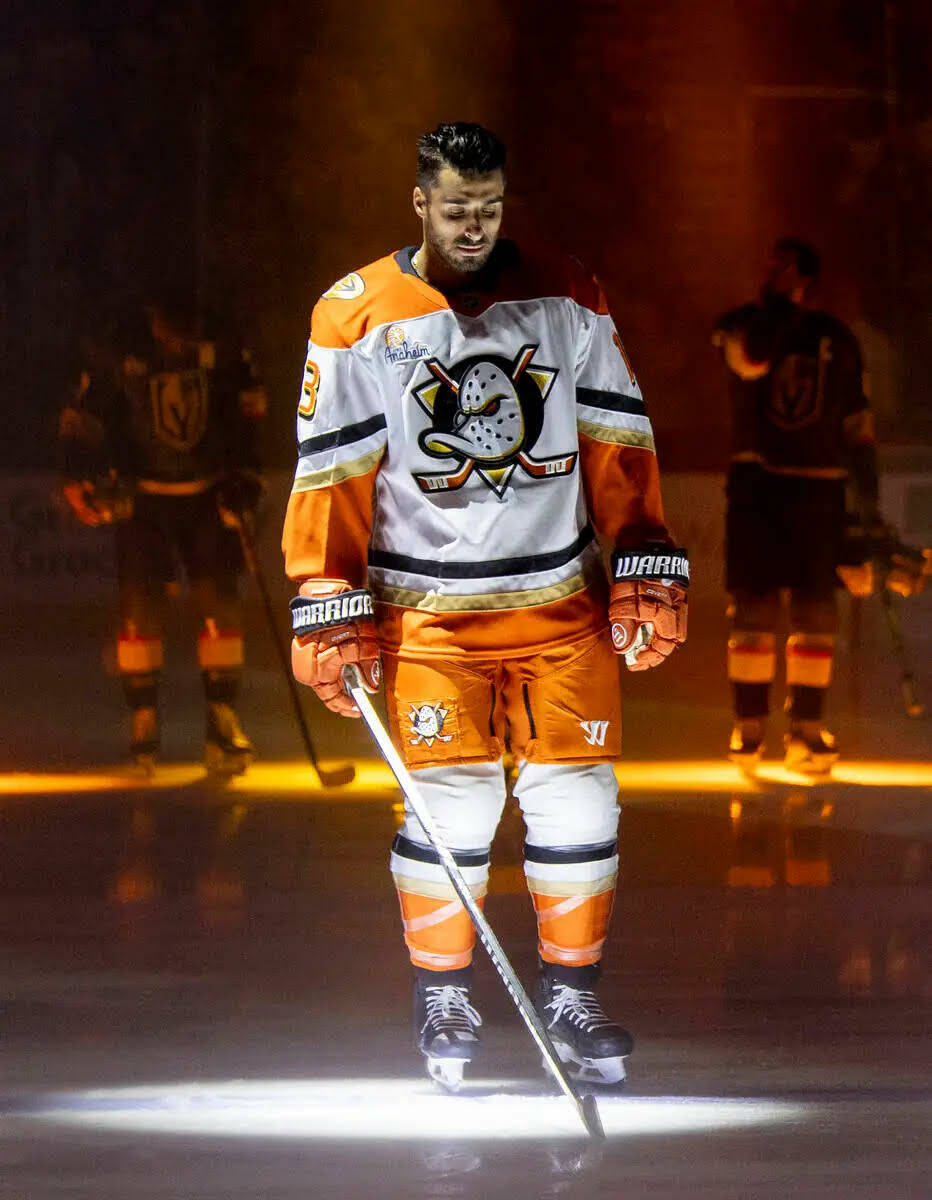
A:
[573, 930]
[437, 931]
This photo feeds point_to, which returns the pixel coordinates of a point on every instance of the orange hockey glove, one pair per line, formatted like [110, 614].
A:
[647, 606]
[333, 626]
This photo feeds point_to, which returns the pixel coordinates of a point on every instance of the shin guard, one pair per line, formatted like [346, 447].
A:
[573, 890]
[438, 931]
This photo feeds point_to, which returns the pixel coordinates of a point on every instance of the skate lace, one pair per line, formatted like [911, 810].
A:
[579, 1007]
[448, 1008]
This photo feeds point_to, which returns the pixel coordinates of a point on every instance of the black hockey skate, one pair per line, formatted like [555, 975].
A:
[809, 749]
[592, 1046]
[445, 1025]
[746, 747]
[228, 751]
[144, 738]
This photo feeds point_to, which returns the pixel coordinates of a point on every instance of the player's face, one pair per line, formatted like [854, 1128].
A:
[462, 216]
[783, 278]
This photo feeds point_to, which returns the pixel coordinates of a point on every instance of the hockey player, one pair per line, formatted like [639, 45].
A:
[160, 437]
[469, 431]
[802, 429]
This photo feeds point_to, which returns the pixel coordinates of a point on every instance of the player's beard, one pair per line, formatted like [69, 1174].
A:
[449, 255]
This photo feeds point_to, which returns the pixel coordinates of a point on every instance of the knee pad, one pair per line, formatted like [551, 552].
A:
[568, 804]
[466, 801]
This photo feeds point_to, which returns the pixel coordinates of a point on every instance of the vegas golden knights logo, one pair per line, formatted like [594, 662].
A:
[486, 414]
[179, 407]
[797, 388]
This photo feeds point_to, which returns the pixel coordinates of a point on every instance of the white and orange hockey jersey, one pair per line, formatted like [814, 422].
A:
[464, 456]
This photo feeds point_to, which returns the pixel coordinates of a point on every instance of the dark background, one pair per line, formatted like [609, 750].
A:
[244, 155]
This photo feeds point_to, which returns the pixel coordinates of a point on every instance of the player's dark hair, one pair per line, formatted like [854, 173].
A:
[467, 148]
[807, 260]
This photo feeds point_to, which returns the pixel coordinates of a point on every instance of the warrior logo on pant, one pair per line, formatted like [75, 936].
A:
[487, 414]
[595, 731]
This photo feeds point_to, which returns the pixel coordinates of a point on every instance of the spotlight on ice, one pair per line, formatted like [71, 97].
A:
[409, 1110]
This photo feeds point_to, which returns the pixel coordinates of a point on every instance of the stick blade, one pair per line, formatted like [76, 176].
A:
[590, 1114]
[339, 777]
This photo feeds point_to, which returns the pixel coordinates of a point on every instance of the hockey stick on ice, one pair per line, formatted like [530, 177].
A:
[585, 1105]
[914, 707]
[342, 775]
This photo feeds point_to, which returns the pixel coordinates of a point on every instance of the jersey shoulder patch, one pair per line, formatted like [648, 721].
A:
[350, 287]
[377, 294]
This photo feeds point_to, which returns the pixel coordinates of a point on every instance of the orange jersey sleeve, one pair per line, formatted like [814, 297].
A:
[341, 440]
[616, 441]
[622, 493]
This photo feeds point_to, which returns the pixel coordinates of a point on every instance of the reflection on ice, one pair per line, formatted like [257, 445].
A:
[408, 1110]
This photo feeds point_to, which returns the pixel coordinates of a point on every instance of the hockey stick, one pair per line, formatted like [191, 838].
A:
[328, 779]
[914, 707]
[585, 1105]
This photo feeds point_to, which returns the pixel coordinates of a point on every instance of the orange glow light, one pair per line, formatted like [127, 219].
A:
[297, 780]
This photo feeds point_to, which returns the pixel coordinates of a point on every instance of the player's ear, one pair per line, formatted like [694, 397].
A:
[420, 203]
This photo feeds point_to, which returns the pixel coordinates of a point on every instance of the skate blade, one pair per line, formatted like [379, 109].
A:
[819, 767]
[604, 1072]
[448, 1072]
[143, 765]
[748, 763]
[224, 764]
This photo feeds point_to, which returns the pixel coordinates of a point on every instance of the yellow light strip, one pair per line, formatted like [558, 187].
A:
[297, 779]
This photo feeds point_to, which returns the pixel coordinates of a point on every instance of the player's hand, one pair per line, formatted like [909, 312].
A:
[334, 626]
[858, 578]
[646, 602]
[79, 495]
[238, 497]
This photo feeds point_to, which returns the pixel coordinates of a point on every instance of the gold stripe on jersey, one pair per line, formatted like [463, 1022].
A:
[802, 472]
[187, 487]
[617, 437]
[482, 601]
[315, 480]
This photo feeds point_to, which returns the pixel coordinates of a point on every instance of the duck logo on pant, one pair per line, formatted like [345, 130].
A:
[427, 724]
[487, 413]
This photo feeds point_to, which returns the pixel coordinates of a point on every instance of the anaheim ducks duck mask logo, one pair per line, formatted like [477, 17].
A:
[487, 413]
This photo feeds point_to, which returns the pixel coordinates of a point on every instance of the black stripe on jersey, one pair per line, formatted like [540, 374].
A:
[524, 565]
[612, 401]
[577, 854]
[405, 848]
[342, 437]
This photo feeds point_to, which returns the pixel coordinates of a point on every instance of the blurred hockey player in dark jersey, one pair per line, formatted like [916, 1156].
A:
[469, 429]
[802, 434]
[160, 437]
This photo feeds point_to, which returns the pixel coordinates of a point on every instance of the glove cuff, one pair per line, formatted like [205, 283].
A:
[311, 615]
[664, 564]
